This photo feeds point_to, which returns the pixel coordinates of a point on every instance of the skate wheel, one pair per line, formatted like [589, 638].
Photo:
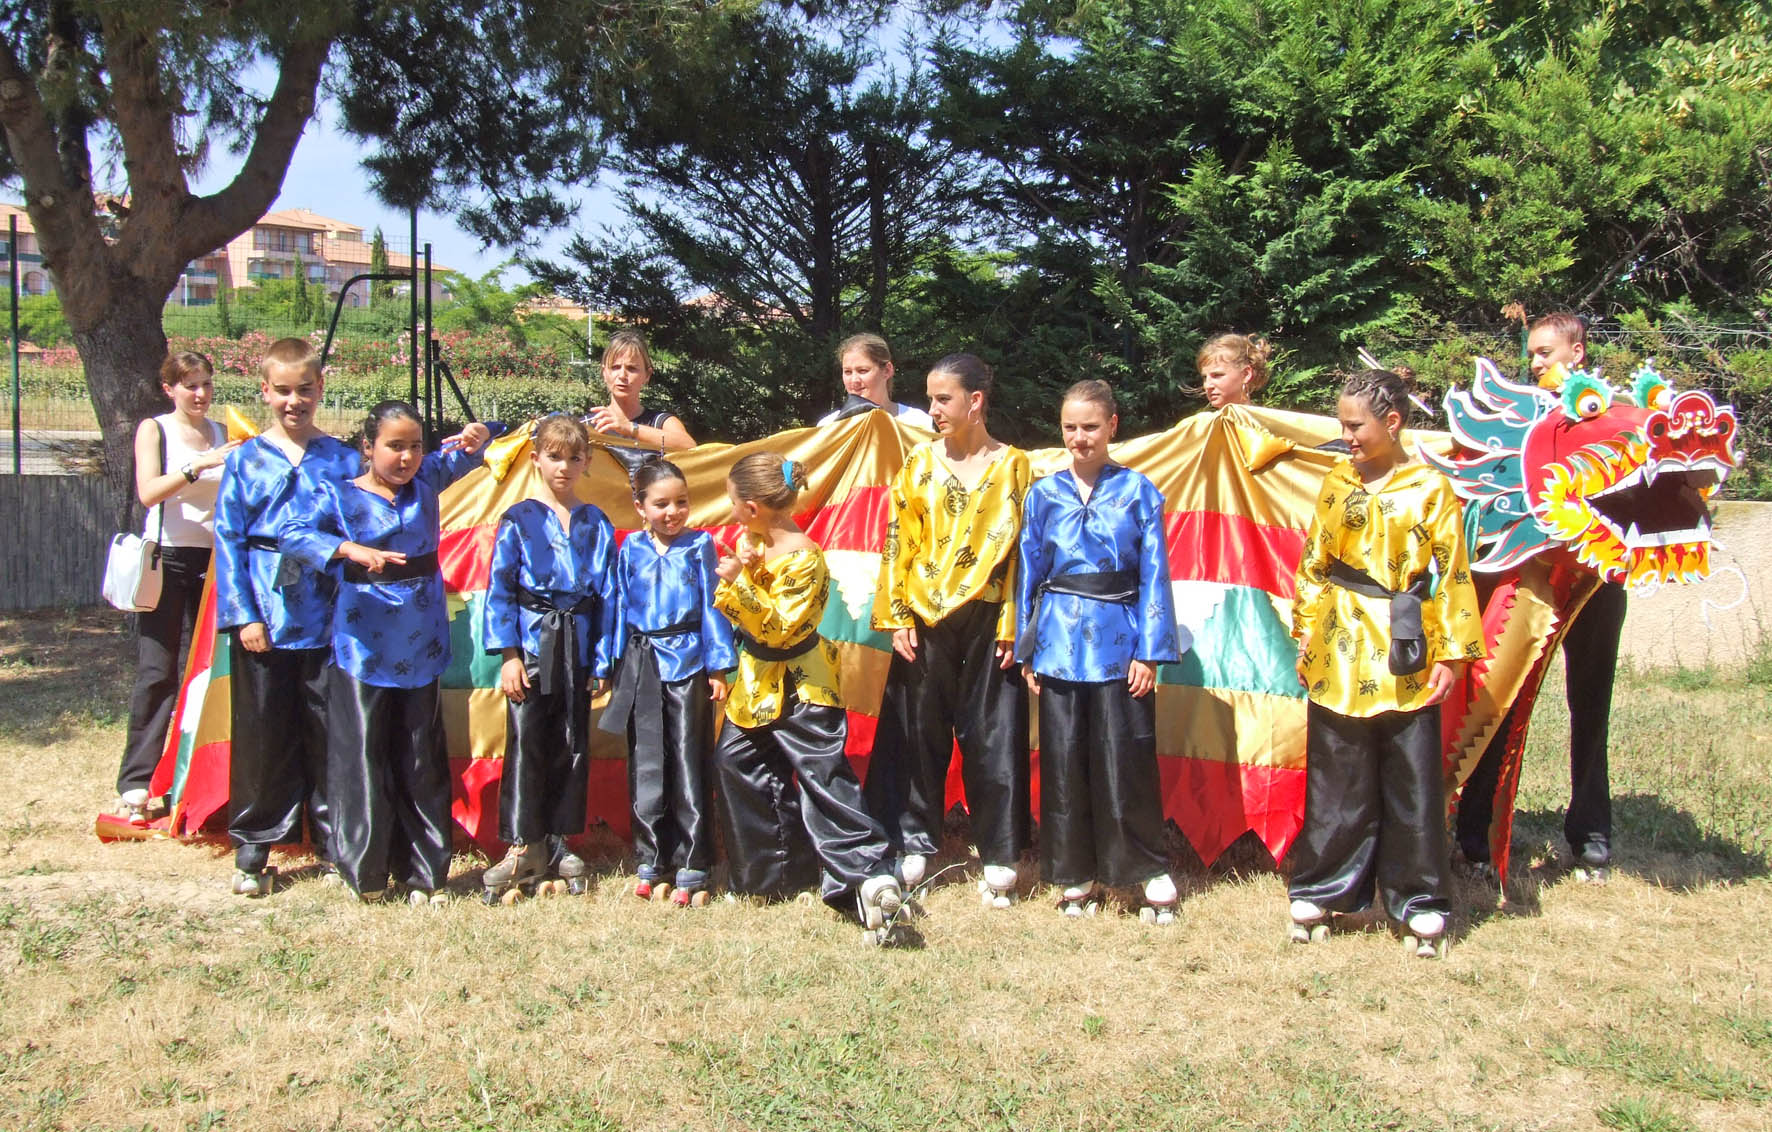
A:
[1000, 900]
[1092, 909]
[554, 888]
[661, 892]
[1147, 915]
[1319, 933]
[873, 937]
[510, 897]
[1072, 909]
[805, 899]
[700, 899]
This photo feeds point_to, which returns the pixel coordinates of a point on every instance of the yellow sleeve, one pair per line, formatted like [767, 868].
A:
[905, 539]
[776, 615]
[1313, 568]
[1021, 477]
[1450, 622]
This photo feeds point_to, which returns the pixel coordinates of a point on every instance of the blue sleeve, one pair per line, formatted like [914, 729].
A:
[608, 623]
[718, 652]
[618, 602]
[313, 529]
[1035, 561]
[440, 469]
[501, 625]
[235, 602]
[1157, 642]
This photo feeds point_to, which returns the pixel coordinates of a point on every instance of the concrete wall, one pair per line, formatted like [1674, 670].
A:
[1721, 620]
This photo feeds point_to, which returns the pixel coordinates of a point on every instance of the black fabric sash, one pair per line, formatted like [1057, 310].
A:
[1115, 587]
[558, 633]
[638, 682]
[262, 542]
[764, 652]
[420, 567]
[1408, 653]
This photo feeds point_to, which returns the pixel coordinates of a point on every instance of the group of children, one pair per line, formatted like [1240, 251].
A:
[993, 586]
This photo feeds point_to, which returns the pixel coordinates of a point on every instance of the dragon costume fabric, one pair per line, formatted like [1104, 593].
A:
[1239, 487]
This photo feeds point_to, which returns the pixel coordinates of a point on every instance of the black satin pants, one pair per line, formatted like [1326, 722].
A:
[1590, 663]
[547, 759]
[162, 635]
[1374, 811]
[388, 780]
[954, 690]
[277, 763]
[669, 777]
[1101, 810]
[790, 803]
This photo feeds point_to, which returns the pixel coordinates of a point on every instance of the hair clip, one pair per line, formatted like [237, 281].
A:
[787, 472]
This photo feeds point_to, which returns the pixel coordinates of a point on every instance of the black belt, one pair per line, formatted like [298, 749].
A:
[1408, 652]
[262, 542]
[558, 633]
[421, 566]
[638, 682]
[1115, 587]
[765, 652]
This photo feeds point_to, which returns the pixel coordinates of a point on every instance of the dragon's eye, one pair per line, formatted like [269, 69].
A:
[1585, 397]
[1590, 405]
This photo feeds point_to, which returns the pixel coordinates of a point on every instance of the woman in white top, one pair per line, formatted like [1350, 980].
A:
[178, 459]
[866, 362]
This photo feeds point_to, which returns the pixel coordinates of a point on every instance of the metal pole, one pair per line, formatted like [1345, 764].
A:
[412, 293]
[433, 397]
[17, 390]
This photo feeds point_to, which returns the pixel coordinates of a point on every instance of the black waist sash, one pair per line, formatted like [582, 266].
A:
[764, 652]
[1115, 587]
[262, 542]
[638, 682]
[422, 566]
[558, 639]
[1408, 652]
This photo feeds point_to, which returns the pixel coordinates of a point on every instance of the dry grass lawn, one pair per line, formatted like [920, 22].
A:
[136, 993]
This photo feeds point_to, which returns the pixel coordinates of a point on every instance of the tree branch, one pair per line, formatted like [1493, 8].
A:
[145, 123]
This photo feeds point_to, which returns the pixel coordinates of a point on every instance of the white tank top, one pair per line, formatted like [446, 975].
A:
[190, 511]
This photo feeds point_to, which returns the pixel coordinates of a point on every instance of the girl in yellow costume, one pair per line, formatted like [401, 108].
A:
[784, 778]
[947, 596]
[1385, 617]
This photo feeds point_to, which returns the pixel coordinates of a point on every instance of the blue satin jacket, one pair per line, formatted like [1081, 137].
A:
[659, 590]
[531, 551]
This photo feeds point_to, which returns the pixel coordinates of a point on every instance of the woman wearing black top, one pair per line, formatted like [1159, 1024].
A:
[627, 367]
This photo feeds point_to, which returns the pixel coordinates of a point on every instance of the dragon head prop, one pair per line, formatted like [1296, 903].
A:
[1618, 480]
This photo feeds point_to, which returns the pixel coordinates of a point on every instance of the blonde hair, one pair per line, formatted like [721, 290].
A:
[290, 353]
[768, 479]
[872, 345]
[1248, 350]
[1094, 392]
[628, 341]
[563, 432]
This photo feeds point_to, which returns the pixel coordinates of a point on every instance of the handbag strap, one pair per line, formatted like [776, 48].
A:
[160, 507]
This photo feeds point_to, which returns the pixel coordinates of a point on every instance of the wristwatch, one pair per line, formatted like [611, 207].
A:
[635, 426]
[190, 473]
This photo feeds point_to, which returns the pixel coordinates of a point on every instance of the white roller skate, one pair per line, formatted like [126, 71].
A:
[514, 877]
[912, 868]
[1424, 935]
[997, 888]
[1080, 900]
[427, 897]
[1310, 923]
[132, 807]
[567, 869]
[255, 884]
[1594, 863]
[879, 900]
[1160, 898]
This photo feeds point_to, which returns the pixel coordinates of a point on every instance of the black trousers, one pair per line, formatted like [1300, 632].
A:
[790, 803]
[954, 690]
[1590, 663]
[1374, 811]
[1101, 810]
[670, 777]
[162, 637]
[547, 759]
[388, 778]
[277, 763]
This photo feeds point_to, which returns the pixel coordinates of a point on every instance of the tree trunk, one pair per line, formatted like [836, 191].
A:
[876, 178]
[122, 351]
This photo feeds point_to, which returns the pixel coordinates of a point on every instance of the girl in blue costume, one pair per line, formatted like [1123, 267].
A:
[1095, 616]
[548, 612]
[674, 649]
[387, 770]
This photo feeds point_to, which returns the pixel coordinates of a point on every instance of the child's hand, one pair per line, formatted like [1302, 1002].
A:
[369, 558]
[214, 457]
[470, 439]
[611, 419]
[1033, 681]
[717, 688]
[1304, 646]
[727, 568]
[904, 643]
[1005, 654]
[1140, 679]
[513, 679]
[749, 551]
[253, 637]
[1440, 680]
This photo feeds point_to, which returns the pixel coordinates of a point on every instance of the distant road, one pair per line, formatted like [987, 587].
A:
[39, 448]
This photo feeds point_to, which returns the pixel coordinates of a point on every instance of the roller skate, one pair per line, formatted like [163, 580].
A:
[1593, 863]
[1160, 899]
[912, 867]
[878, 902]
[691, 890]
[565, 871]
[1424, 935]
[1310, 923]
[997, 887]
[255, 882]
[649, 886]
[514, 877]
[132, 808]
[1080, 900]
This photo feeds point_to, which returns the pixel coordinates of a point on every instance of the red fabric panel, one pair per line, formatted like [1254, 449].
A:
[475, 805]
[1215, 802]
[206, 787]
[466, 557]
[857, 523]
[1208, 546]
